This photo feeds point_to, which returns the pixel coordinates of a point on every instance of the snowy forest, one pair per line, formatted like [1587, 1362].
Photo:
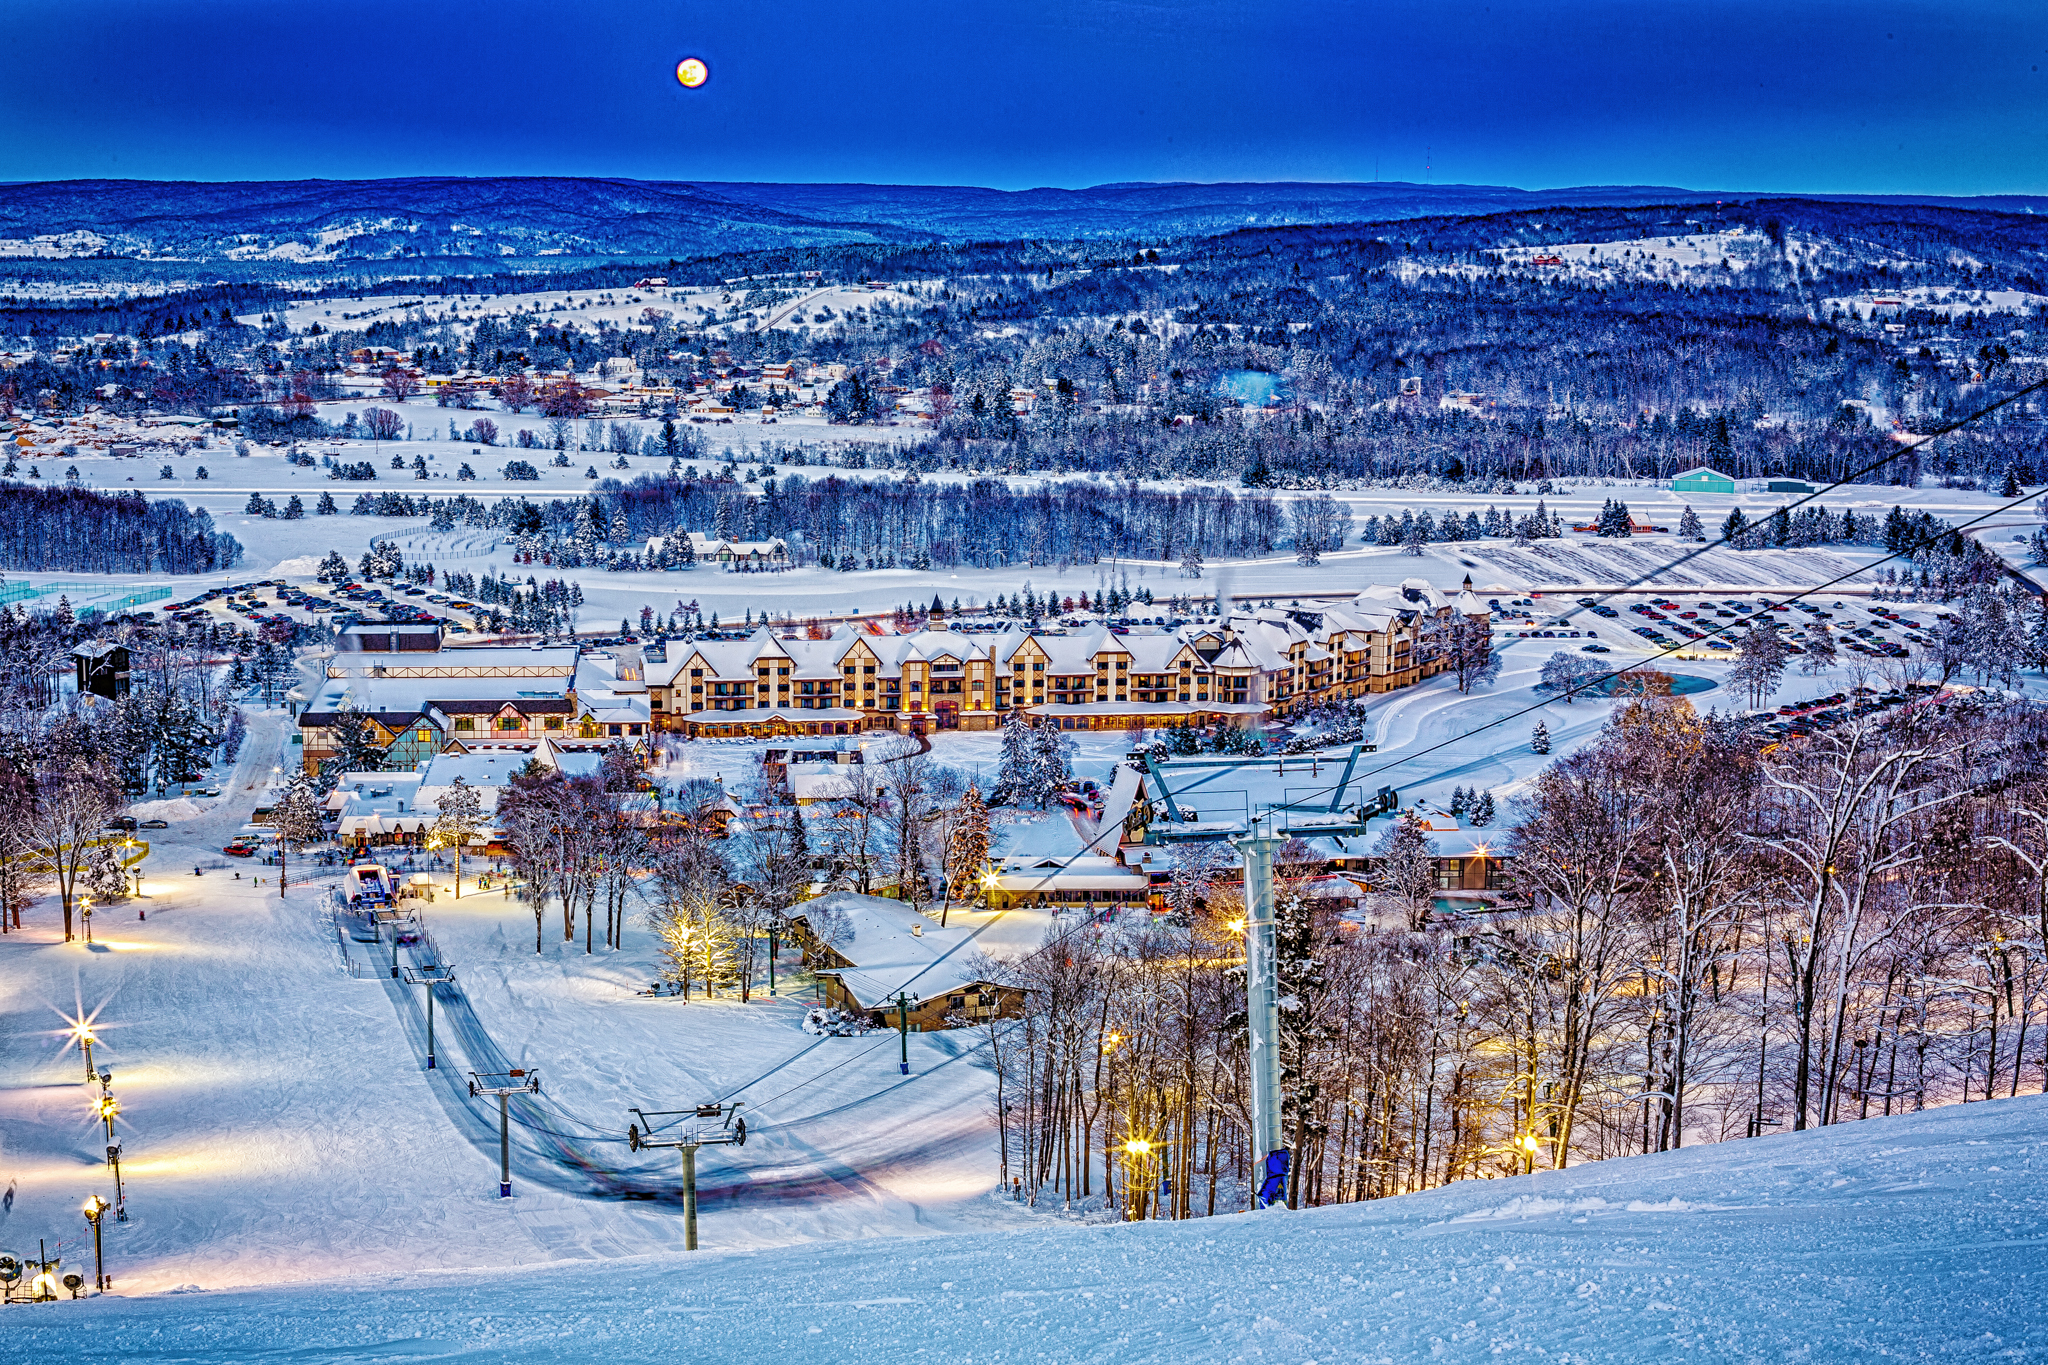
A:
[1359, 334]
[84, 531]
[1696, 942]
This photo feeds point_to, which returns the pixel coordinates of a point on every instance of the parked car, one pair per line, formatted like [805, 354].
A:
[156, 824]
[126, 822]
[239, 850]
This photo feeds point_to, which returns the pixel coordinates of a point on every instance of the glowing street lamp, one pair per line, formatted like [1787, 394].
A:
[85, 904]
[95, 1209]
[86, 1038]
[1138, 1157]
[107, 1108]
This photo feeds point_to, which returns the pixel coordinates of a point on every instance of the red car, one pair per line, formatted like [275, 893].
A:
[239, 850]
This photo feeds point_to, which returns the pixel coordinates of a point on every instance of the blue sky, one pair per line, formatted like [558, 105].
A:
[1816, 95]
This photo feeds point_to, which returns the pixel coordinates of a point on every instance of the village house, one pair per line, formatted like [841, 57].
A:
[868, 953]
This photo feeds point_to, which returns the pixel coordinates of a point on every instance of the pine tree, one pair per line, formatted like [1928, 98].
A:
[968, 853]
[298, 819]
[1732, 529]
[1539, 738]
[325, 507]
[1689, 525]
[1405, 875]
[1458, 800]
[1414, 533]
[357, 748]
[1191, 562]
[460, 814]
[1052, 760]
[1820, 650]
[1016, 769]
[2009, 487]
[1483, 813]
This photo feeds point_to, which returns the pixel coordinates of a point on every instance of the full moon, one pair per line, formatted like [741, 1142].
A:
[692, 72]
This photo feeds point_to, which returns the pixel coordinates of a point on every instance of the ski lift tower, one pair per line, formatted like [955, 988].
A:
[504, 1084]
[1262, 1008]
[430, 975]
[731, 1131]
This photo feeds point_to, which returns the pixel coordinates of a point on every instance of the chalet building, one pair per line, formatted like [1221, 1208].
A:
[739, 556]
[1090, 885]
[102, 669]
[1243, 670]
[421, 702]
[868, 952]
[1250, 667]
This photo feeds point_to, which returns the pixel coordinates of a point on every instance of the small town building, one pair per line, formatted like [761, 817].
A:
[868, 952]
[1703, 480]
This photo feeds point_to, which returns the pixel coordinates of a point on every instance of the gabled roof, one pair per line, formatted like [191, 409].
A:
[894, 949]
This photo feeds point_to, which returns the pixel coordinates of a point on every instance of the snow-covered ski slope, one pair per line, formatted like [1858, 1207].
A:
[1916, 1238]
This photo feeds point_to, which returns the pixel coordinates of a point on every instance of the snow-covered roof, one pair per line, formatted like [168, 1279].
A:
[894, 948]
[818, 781]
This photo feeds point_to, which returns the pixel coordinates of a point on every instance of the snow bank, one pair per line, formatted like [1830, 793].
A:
[304, 565]
[175, 809]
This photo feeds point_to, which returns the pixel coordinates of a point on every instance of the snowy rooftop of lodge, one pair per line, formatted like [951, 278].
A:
[894, 948]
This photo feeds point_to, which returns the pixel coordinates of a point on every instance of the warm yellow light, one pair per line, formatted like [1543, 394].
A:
[1529, 1142]
[1235, 926]
[1138, 1147]
[109, 1106]
[691, 72]
[94, 1206]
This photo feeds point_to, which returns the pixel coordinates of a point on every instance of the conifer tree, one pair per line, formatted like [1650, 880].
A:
[298, 819]
[968, 853]
[1539, 738]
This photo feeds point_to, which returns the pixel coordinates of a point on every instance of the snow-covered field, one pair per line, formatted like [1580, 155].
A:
[1577, 562]
[1905, 1238]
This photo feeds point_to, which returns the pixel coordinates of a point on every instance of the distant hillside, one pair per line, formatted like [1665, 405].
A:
[517, 219]
[383, 220]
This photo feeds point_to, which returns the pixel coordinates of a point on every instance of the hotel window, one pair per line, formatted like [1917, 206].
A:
[554, 722]
[508, 722]
[424, 736]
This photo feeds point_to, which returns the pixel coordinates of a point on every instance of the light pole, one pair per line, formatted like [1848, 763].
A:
[504, 1085]
[1137, 1160]
[95, 1209]
[85, 903]
[903, 1029]
[731, 1132]
[86, 1039]
[429, 976]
